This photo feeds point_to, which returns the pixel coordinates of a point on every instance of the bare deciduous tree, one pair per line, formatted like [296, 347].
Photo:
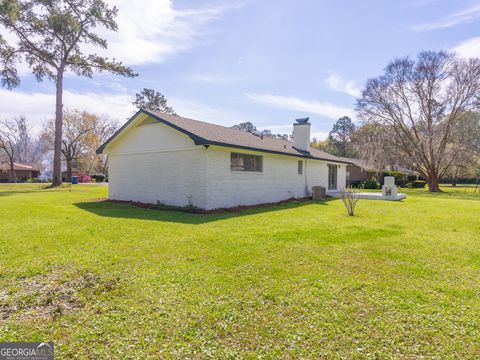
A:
[465, 150]
[374, 146]
[18, 143]
[29, 147]
[83, 133]
[422, 100]
[103, 131]
[76, 128]
[8, 140]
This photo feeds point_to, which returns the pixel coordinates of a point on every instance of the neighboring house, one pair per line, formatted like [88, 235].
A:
[359, 170]
[157, 157]
[23, 172]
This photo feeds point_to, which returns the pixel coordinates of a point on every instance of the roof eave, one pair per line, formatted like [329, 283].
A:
[304, 156]
[202, 141]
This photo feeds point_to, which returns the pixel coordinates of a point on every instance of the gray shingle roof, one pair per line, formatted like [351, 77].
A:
[361, 164]
[5, 166]
[203, 133]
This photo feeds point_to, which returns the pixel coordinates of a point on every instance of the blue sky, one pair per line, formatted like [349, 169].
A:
[263, 61]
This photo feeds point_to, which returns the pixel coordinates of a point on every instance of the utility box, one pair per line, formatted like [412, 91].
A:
[319, 193]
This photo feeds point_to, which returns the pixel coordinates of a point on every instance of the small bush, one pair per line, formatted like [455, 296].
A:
[411, 178]
[371, 183]
[357, 184]
[350, 199]
[419, 184]
[84, 179]
[98, 178]
[36, 181]
[190, 208]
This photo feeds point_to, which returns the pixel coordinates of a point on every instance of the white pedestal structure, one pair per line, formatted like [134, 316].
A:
[389, 192]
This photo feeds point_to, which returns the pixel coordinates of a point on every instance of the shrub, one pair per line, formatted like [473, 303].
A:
[98, 178]
[84, 178]
[419, 184]
[411, 178]
[36, 180]
[357, 184]
[350, 199]
[371, 183]
[190, 208]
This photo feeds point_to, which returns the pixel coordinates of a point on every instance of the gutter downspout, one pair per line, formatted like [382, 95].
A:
[306, 179]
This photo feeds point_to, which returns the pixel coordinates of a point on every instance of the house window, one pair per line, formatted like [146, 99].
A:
[300, 167]
[246, 162]
[332, 177]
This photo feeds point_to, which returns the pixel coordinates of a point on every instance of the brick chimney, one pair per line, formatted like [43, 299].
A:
[301, 135]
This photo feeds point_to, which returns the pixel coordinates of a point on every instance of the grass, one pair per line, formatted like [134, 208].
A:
[102, 280]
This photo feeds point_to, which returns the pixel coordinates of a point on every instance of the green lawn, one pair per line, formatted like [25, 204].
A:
[401, 279]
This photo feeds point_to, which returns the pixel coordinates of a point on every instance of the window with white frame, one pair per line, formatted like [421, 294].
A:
[246, 162]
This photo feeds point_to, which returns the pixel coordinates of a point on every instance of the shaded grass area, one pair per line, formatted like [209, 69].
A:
[295, 280]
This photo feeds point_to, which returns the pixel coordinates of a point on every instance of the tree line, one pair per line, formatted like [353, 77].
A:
[83, 132]
[375, 145]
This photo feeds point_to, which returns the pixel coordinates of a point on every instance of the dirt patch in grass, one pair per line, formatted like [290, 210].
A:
[58, 292]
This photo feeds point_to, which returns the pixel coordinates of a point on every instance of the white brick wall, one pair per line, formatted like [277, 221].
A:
[155, 163]
[167, 177]
[152, 163]
[278, 181]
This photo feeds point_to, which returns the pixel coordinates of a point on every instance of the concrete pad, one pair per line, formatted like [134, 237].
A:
[373, 196]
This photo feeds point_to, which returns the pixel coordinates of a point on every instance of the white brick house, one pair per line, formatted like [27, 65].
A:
[163, 158]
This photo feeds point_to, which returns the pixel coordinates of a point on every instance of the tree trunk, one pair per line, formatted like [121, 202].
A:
[57, 149]
[69, 170]
[433, 184]
[12, 175]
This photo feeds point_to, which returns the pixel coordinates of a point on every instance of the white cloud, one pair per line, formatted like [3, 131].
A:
[151, 31]
[38, 107]
[468, 48]
[467, 15]
[336, 83]
[309, 106]
[216, 78]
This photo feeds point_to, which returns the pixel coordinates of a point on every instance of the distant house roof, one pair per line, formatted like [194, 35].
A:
[361, 164]
[203, 133]
[5, 166]
[366, 167]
